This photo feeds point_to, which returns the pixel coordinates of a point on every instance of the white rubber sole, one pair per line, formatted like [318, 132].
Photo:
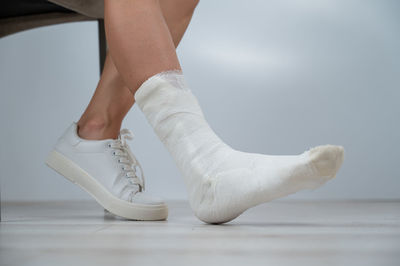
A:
[77, 175]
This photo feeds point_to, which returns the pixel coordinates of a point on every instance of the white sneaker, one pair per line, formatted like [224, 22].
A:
[108, 171]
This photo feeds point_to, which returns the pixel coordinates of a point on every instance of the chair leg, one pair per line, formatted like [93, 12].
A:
[102, 44]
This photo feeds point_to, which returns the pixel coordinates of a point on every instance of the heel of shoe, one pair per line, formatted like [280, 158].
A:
[56, 161]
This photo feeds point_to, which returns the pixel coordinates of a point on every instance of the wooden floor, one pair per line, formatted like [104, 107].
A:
[278, 233]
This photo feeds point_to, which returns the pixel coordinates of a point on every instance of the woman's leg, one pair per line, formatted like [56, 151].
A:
[112, 99]
[139, 40]
[222, 182]
[107, 169]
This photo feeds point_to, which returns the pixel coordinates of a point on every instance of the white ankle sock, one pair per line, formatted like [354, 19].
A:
[222, 182]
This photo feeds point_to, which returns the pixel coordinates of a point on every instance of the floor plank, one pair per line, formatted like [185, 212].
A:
[278, 233]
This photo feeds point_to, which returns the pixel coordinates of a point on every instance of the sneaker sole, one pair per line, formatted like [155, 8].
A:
[108, 201]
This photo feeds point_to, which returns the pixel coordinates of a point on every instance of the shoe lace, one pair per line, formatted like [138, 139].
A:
[129, 163]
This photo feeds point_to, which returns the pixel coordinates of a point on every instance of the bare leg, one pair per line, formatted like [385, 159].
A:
[139, 40]
[112, 99]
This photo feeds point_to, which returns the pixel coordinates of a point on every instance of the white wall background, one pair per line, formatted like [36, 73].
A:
[276, 76]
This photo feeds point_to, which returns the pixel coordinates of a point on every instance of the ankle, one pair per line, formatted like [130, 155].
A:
[97, 129]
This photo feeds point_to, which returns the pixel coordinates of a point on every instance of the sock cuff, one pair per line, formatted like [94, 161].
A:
[173, 77]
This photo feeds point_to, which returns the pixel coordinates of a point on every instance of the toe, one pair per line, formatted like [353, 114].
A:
[327, 159]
